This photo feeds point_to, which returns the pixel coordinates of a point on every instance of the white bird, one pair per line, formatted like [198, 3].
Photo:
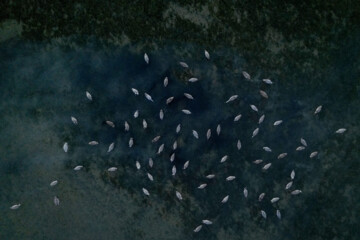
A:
[313, 154]
[253, 107]
[263, 214]
[202, 186]
[155, 139]
[267, 81]
[318, 109]
[208, 134]
[166, 81]
[93, 143]
[245, 192]
[66, 147]
[186, 165]
[135, 91]
[207, 222]
[296, 192]
[230, 178]
[224, 158]
[196, 135]
[210, 176]
[303, 142]
[53, 183]
[146, 192]
[288, 185]
[261, 197]
[137, 164]
[282, 155]
[218, 129]
[188, 96]
[178, 128]
[225, 199]
[16, 206]
[255, 132]
[274, 200]
[246, 75]
[175, 145]
[340, 130]
[144, 123]
[172, 157]
[198, 228]
[263, 94]
[88, 95]
[267, 149]
[148, 97]
[111, 147]
[77, 168]
[278, 214]
[127, 126]
[183, 64]
[150, 177]
[161, 114]
[258, 161]
[169, 100]
[193, 79]
[173, 170]
[238, 144]
[110, 123]
[232, 98]
[300, 148]
[186, 111]
[207, 55]
[178, 195]
[292, 174]
[56, 201]
[112, 169]
[146, 58]
[151, 162]
[261, 119]
[136, 114]
[131, 142]
[74, 120]
[237, 118]
[267, 166]
[161, 148]
[278, 122]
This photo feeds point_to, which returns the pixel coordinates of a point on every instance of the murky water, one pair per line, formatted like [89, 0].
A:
[42, 87]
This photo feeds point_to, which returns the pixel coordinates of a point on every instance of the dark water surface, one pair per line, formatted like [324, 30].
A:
[42, 85]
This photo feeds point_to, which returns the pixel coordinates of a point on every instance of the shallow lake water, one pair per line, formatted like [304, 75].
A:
[42, 87]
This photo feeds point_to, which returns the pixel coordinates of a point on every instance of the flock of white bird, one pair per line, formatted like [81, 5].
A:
[223, 200]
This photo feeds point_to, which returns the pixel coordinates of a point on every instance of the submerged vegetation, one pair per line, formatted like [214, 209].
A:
[50, 54]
